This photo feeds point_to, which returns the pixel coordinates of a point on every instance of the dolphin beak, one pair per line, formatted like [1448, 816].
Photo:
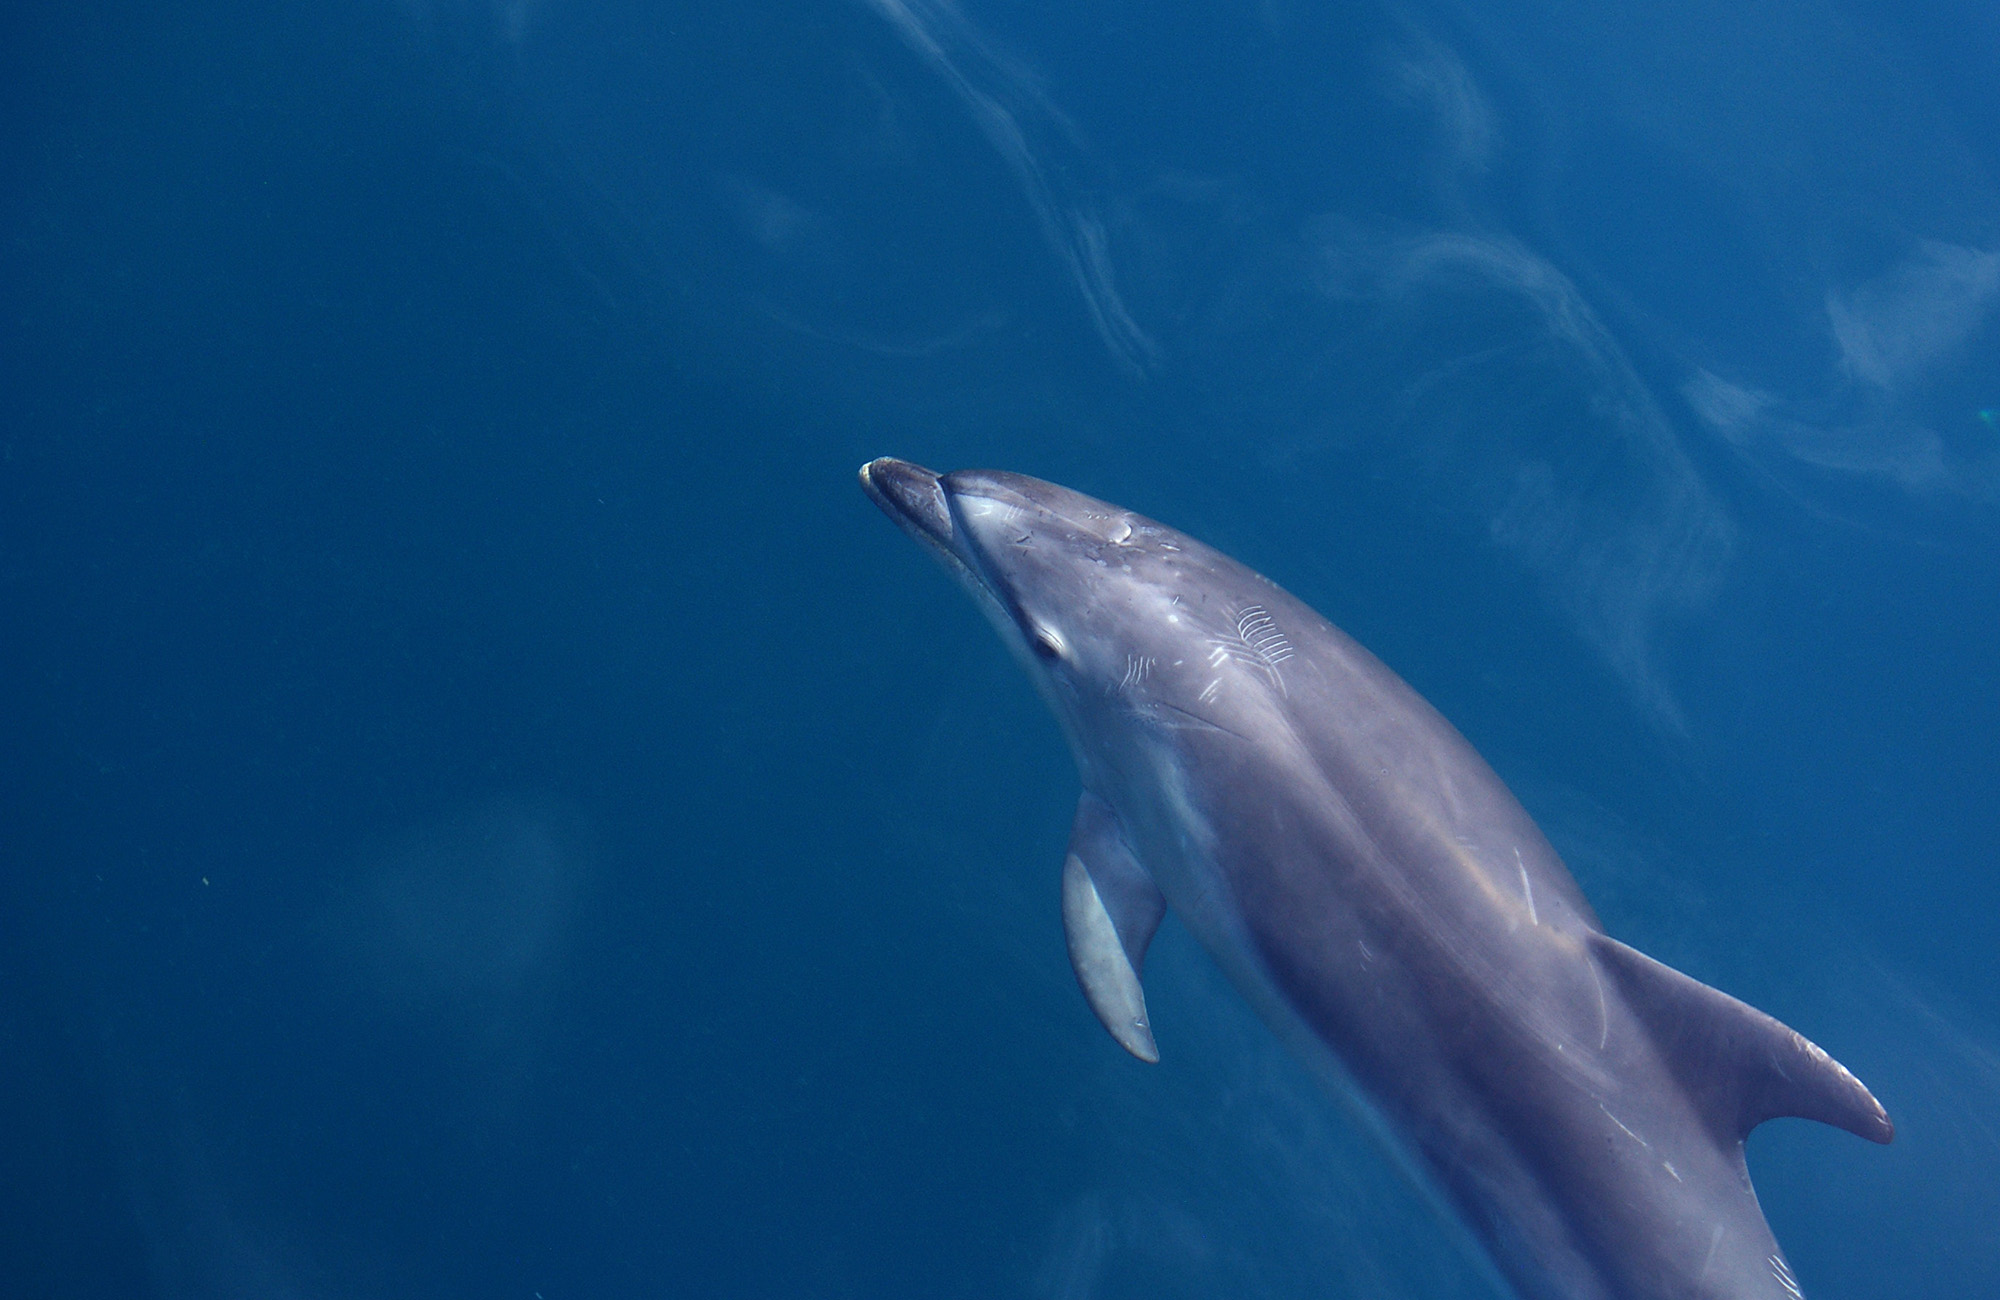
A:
[914, 497]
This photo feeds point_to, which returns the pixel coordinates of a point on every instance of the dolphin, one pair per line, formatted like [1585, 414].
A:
[1374, 890]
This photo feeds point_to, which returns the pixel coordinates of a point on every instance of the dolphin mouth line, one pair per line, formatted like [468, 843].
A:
[915, 498]
[922, 505]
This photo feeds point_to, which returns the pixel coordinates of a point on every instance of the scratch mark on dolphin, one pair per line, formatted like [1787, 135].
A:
[1603, 1010]
[1527, 888]
[1621, 1127]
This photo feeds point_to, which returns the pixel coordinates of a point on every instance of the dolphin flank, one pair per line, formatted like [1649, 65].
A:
[1378, 895]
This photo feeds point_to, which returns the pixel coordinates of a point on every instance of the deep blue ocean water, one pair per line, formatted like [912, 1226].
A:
[490, 810]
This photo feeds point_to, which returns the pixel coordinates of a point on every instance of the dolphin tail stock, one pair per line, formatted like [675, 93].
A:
[1111, 909]
[1740, 1065]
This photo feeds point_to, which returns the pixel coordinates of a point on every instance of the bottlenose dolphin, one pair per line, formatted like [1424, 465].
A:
[1367, 882]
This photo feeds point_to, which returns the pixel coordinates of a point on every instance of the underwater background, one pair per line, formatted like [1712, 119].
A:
[489, 809]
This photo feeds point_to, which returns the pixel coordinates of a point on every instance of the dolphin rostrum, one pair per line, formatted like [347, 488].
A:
[1374, 890]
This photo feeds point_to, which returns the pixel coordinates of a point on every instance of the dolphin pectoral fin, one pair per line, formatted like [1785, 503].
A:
[1740, 1066]
[1110, 982]
[1111, 909]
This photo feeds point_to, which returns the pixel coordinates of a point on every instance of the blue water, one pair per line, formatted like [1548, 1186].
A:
[490, 810]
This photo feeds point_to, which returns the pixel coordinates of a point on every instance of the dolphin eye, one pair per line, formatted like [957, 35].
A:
[1048, 647]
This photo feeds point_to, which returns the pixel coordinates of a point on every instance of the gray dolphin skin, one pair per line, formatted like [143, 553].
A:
[1371, 887]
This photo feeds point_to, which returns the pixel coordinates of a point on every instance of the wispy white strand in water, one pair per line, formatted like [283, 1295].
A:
[1000, 97]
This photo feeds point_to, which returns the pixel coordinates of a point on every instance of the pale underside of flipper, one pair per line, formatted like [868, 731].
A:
[1111, 908]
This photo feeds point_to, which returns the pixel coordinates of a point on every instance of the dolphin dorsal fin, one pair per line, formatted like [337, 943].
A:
[1740, 1066]
[1111, 909]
